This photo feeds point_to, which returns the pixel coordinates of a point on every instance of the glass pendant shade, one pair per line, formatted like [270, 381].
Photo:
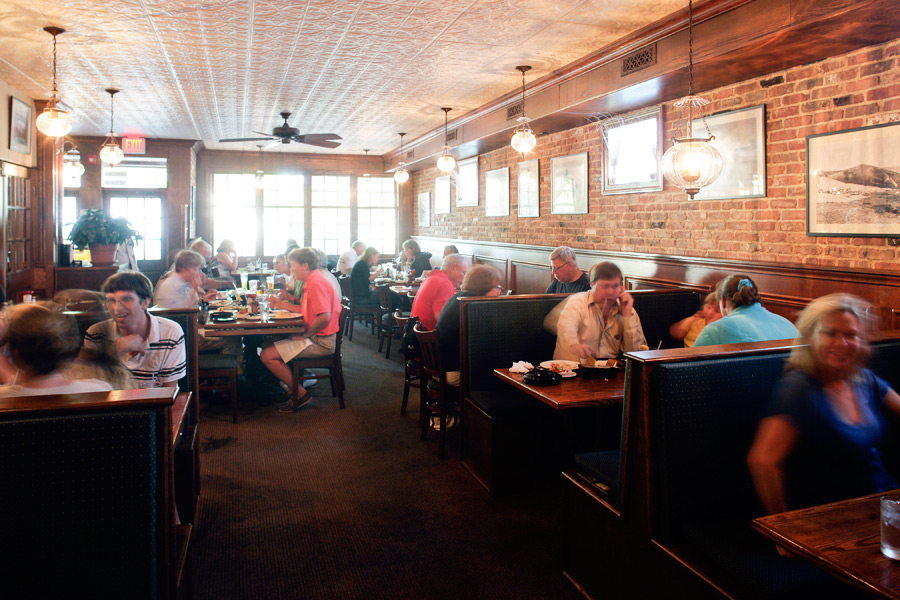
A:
[54, 122]
[72, 164]
[111, 153]
[523, 141]
[692, 163]
[401, 175]
[446, 163]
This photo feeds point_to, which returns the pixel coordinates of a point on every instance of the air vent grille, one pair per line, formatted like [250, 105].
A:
[514, 111]
[451, 135]
[639, 59]
[410, 155]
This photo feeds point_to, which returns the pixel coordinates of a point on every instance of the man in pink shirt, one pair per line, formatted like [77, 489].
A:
[437, 289]
[321, 309]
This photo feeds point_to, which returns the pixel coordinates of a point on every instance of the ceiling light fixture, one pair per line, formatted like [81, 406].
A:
[523, 141]
[72, 166]
[111, 153]
[54, 122]
[401, 175]
[692, 163]
[260, 174]
[446, 163]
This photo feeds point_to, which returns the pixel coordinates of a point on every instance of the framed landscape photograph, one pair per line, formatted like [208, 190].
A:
[19, 126]
[442, 195]
[568, 184]
[467, 183]
[529, 188]
[741, 138]
[496, 193]
[632, 153]
[852, 182]
[425, 209]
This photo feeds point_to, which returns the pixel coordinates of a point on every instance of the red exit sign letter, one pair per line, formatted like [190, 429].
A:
[134, 145]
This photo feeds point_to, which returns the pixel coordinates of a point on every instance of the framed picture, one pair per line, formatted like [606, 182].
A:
[529, 186]
[19, 126]
[467, 183]
[442, 195]
[632, 153]
[425, 209]
[741, 138]
[851, 182]
[568, 184]
[496, 192]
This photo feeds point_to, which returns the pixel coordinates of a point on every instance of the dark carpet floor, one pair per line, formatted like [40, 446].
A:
[349, 504]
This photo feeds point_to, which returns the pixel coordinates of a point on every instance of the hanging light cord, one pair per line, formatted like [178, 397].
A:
[523, 92]
[112, 111]
[401, 149]
[54, 68]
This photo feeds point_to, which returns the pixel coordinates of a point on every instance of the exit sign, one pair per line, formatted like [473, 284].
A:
[134, 145]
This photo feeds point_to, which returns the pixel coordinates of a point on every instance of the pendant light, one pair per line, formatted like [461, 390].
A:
[54, 121]
[260, 174]
[111, 153]
[692, 163]
[401, 175]
[72, 166]
[446, 163]
[366, 165]
[523, 141]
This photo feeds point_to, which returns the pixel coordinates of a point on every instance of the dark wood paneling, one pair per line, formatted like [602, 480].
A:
[529, 278]
[501, 264]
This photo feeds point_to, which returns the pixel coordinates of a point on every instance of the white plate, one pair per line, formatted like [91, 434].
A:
[567, 374]
[281, 316]
[562, 365]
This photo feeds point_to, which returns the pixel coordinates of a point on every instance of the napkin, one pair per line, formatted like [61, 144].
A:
[521, 367]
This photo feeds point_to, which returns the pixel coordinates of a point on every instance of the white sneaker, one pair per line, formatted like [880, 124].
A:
[308, 383]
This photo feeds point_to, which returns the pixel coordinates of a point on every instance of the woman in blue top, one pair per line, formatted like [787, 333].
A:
[743, 317]
[818, 441]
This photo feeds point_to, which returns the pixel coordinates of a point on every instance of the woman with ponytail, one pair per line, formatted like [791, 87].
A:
[743, 317]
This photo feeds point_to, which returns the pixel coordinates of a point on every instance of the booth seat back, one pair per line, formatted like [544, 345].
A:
[659, 309]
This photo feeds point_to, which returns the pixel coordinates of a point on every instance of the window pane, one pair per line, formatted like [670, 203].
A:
[68, 214]
[234, 211]
[145, 214]
[378, 228]
[331, 229]
[330, 190]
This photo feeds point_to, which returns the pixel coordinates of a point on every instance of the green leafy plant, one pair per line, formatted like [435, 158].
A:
[96, 227]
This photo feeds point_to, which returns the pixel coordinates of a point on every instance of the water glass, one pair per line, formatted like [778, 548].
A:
[890, 527]
[265, 266]
[263, 300]
[253, 285]
[244, 277]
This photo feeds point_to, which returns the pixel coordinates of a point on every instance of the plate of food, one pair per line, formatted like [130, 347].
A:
[600, 368]
[558, 366]
[567, 374]
[249, 316]
[280, 315]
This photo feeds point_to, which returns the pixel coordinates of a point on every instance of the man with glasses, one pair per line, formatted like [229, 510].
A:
[567, 277]
[151, 347]
[601, 322]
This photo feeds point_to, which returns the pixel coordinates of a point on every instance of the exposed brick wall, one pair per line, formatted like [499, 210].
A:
[853, 90]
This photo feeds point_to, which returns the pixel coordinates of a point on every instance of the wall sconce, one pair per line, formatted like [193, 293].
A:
[72, 166]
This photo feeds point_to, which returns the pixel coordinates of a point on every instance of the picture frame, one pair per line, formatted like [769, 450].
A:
[496, 193]
[632, 153]
[529, 189]
[442, 195]
[568, 184]
[20, 126]
[740, 135]
[424, 211]
[850, 176]
[467, 183]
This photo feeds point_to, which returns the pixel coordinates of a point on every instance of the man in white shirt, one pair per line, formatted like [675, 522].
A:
[349, 258]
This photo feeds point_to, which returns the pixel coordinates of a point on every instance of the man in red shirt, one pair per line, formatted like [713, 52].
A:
[321, 309]
[437, 289]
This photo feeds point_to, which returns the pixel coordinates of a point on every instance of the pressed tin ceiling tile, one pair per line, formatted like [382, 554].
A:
[208, 69]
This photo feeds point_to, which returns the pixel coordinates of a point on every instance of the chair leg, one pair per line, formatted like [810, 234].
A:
[424, 413]
[234, 395]
[350, 326]
[405, 394]
[389, 334]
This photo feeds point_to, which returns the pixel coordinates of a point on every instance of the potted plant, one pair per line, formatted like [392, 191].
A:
[102, 234]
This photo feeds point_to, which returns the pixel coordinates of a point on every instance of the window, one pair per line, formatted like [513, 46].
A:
[136, 173]
[144, 212]
[282, 211]
[330, 200]
[377, 213]
[68, 213]
[234, 211]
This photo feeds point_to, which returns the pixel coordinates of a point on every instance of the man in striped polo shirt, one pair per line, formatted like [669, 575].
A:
[151, 347]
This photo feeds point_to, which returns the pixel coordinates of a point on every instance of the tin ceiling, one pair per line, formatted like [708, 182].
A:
[365, 69]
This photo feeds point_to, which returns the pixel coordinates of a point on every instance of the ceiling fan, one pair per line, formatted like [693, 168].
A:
[285, 134]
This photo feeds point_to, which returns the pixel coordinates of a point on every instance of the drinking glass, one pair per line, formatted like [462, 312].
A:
[263, 300]
[265, 266]
[244, 278]
[890, 527]
[270, 282]
[253, 285]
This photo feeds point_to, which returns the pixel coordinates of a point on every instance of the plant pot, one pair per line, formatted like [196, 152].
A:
[103, 255]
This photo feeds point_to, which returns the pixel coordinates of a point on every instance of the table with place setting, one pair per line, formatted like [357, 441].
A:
[227, 317]
[572, 391]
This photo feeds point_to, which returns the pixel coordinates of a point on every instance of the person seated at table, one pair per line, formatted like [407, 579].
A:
[350, 257]
[290, 244]
[182, 288]
[690, 327]
[567, 277]
[743, 317]
[437, 289]
[360, 279]
[818, 440]
[480, 280]
[213, 275]
[419, 261]
[227, 258]
[448, 250]
[320, 308]
[327, 274]
[41, 344]
[151, 347]
[601, 322]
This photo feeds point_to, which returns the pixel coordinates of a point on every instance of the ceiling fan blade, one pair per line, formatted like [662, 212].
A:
[323, 140]
[264, 139]
[265, 134]
[272, 144]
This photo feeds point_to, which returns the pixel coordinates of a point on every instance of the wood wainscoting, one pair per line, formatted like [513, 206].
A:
[785, 289]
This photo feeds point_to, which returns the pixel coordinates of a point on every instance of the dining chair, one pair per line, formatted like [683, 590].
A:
[366, 314]
[439, 399]
[218, 373]
[413, 375]
[387, 326]
[332, 363]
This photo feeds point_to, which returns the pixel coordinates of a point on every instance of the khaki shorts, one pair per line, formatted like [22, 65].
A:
[293, 347]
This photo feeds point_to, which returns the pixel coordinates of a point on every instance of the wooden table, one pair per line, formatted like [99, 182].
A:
[844, 538]
[405, 290]
[572, 392]
[254, 327]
